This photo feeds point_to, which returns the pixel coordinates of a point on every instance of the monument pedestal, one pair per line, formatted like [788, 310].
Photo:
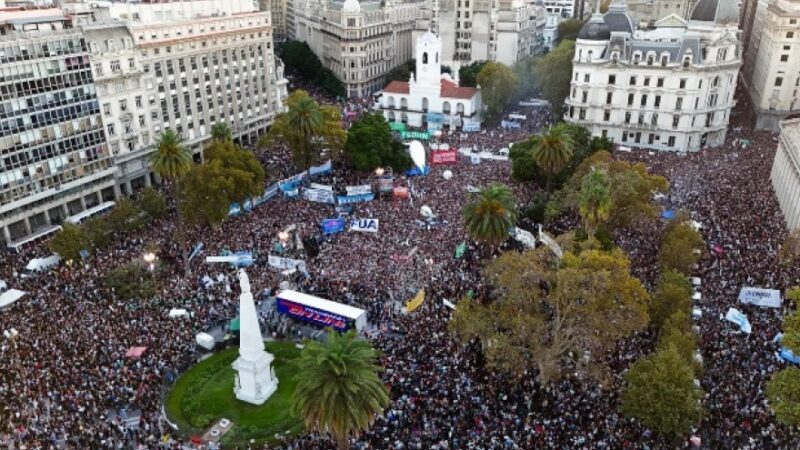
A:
[255, 379]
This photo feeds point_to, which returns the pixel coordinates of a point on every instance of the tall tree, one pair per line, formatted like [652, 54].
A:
[569, 29]
[783, 390]
[554, 149]
[126, 216]
[681, 246]
[402, 72]
[543, 309]
[207, 192]
[220, 131]
[677, 332]
[491, 215]
[338, 388]
[595, 202]
[370, 145]
[468, 75]
[241, 166]
[660, 392]
[497, 84]
[151, 202]
[553, 72]
[307, 129]
[673, 293]
[69, 242]
[171, 161]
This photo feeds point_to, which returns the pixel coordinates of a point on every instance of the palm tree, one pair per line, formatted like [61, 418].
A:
[306, 118]
[171, 161]
[492, 215]
[595, 200]
[338, 387]
[554, 150]
[221, 132]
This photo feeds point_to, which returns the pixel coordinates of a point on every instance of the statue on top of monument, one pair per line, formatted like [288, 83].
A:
[244, 281]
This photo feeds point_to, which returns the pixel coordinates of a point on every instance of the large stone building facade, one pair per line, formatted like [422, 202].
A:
[645, 13]
[145, 68]
[482, 30]
[771, 70]
[359, 42]
[786, 172]
[670, 88]
[54, 158]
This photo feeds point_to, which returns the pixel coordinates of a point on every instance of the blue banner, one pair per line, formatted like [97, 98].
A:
[347, 199]
[343, 210]
[330, 226]
[435, 117]
[327, 167]
[471, 126]
[510, 124]
[244, 259]
[196, 250]
[234, 209]
[291, 183]
[416, 171]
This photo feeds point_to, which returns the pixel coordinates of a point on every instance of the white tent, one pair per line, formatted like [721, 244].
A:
[178, 312]
[205, 340]
[417, 152]
[10, 296]
[43, 263]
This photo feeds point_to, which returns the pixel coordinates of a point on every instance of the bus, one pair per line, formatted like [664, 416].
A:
[321, 312]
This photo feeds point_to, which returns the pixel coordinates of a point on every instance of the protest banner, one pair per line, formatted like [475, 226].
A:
[325, 167]
[770, 298]
[444, 157]
[737, 317]
[366, 225]
[347, 199]
[415, 302]
[330, 226]
[400, 192]
[358, 190]
[385, 183]
[281, 263]
[319, 196]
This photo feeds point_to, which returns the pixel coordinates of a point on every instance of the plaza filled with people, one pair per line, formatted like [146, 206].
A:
[65, 374]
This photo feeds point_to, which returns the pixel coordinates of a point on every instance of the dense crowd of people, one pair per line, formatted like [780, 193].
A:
[65, 374]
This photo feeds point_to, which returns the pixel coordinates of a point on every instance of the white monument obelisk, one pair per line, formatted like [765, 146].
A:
[255, 379]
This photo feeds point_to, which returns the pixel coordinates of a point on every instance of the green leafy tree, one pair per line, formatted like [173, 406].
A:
[681, 246]
[491, 215]
[468, 75]
[307, 129]
[569, 29]
[498, 84]
[241, 166]
[595, 200]
[402, 72]
[207, 193]
[791, 323]
[660, 392]
[126, 216]
[338, 388]
[99, 231]
[131, 281]
[220, 131]
[553, 73]
[171, 161]
[790, 250]
[783, 392]
[69, 242]
[543, 309]
[554, 149]
[370, 145]
[673, 293]
[151, 202]
[300, 59]
[677, 332]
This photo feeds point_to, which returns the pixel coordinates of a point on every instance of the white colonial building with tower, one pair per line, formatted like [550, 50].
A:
[430, 99]
[667, 88]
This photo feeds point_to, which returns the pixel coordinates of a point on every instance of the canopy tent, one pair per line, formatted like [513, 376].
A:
[135, 352]
[205, 340]
[10, 296]
[43, 263]
[178, 312]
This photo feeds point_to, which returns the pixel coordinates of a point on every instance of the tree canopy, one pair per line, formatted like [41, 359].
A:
[241, 166]
[498, 84]
[543, 309]
[490, 216]
[338, 388]
[220, 131]
[69, 242]
[783, 390]
[569, 29]
[308, 130]
[299, 58]
[370, 145]
[681, 245]
[595, 200]
[553, 73]
[673, 293]
[207, 191]
[468, 75]
[660, 392]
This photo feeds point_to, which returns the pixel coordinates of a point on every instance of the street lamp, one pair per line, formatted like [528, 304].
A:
[379, 172]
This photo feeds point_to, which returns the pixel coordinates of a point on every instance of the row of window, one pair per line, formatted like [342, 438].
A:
[37, 103]
[46, 84]
[49, 117]
[24, 50]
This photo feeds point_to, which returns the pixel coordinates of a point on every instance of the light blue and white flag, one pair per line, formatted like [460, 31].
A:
[737, 317]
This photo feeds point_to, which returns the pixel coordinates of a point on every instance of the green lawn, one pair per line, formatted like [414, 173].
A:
[205, 393]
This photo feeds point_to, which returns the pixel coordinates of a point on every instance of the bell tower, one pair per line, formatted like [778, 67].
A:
[429, 63]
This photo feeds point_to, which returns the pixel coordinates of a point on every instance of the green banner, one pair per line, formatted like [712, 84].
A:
[397, 126]
[235, 325]
[409, 135]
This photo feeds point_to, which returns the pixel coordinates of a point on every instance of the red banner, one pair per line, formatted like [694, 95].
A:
[444, 157]
[400, 192]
